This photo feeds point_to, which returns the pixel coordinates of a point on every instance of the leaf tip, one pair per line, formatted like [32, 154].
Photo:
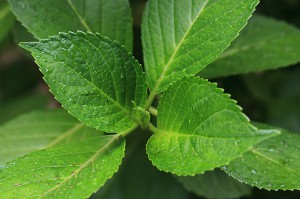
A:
[27, 45]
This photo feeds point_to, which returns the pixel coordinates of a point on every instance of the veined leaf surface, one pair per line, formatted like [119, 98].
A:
[200, 128]
[94, 78]
[70, 171]
[272, 164]
[181, 37]
[47, 18]
[38, 130]
[264, 44]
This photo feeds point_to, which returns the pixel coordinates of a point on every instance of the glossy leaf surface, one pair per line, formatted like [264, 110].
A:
[70, 171]
[181, 37]
[264, 44]
[47, 18]
[272, 164]
[94, 78]
[200, 128]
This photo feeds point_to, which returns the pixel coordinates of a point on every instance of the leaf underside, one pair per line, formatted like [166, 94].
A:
[70, 171]
[47, 18]
[94, 78]
[272, 164]
[38, 130]
[274, 43]
[199, 129]
[181, 37]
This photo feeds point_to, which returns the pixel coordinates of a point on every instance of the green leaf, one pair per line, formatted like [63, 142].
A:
[70, 171]
[25, 104]
[6, 19]
[272, 164]
[38, 130]
[199, 129]
[135, 177]
[264, 44]
[21, 34]
[215, 184]
[181, 37]
[94, 78]
[46, 18]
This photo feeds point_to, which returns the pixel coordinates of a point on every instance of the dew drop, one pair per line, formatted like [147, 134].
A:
[253, 171]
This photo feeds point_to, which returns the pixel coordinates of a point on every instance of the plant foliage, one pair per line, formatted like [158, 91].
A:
[84, 54]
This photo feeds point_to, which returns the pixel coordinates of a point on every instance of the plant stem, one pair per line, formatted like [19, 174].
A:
[153, 111]
[150, 99]
[127, 132]
[153, 128]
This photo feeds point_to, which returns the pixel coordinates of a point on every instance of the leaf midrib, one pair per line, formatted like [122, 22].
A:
[81, 19]
[102, 92]
[65, 135]
[166, 67]
[84, 165]
[235, 50]
[178, 134]
[272, 160]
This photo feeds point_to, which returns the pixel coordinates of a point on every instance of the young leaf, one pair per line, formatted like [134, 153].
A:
[6, 19]
[215, 184]
[46, 18]
[274, 43]
[199, 129]
[40, 129]
[272, 164]
[94, 78]
[181, 37]
[70, 171]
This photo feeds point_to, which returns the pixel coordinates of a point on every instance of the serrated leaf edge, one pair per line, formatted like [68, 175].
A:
[82, 33]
